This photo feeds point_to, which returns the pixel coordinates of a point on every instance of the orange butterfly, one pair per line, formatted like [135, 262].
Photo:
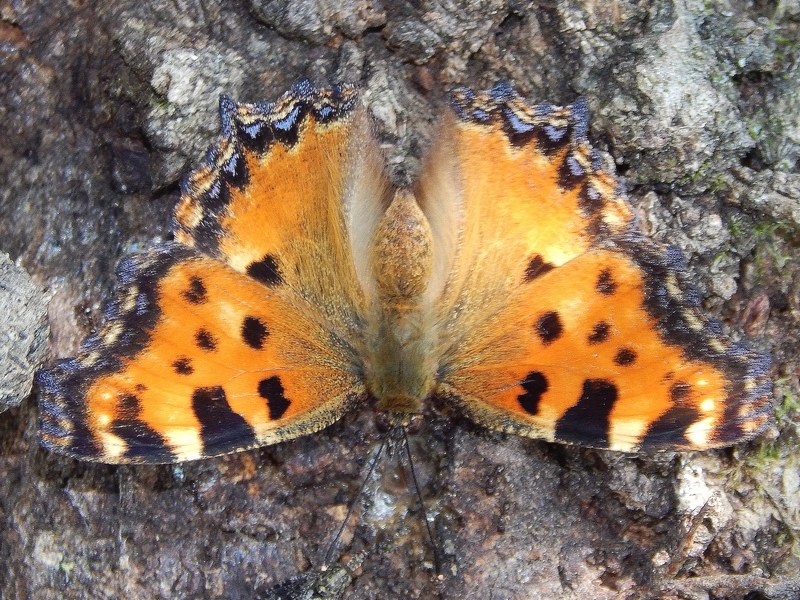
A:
[511, 283]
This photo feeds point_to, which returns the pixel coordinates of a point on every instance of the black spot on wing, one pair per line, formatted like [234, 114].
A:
[555, 138]
[271, 390]
[340, 100]
[549, 328]
[205, 340]
[535, 385]
[266, 271]
[587, 422]
[183, 366]
[254, 332]
[605, 283]
[670, 428]
[624, 357]
[537, 267]
[599, 333]
[196, 293]
[144, 444]
[222, 429]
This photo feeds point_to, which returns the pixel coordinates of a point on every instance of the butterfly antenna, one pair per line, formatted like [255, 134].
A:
[373, 463]
[437, 564]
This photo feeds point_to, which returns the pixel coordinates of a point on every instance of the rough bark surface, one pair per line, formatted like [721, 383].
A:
[103, 105]
[23, 332]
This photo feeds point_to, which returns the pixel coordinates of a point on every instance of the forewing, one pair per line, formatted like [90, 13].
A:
[292, 192]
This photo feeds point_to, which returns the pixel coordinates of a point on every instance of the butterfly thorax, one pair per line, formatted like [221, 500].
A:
[401, 371]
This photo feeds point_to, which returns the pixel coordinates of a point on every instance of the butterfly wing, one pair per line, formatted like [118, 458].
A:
[559, 320]
[248, 330]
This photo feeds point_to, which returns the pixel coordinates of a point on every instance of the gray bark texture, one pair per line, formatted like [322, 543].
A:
[105, 104]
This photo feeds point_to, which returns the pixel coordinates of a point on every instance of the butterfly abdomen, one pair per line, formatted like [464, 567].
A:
[401, 375]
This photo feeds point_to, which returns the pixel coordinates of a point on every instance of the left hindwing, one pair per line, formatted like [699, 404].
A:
[195, 360]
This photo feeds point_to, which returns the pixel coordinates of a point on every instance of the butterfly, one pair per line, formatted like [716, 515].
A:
[511, 283]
